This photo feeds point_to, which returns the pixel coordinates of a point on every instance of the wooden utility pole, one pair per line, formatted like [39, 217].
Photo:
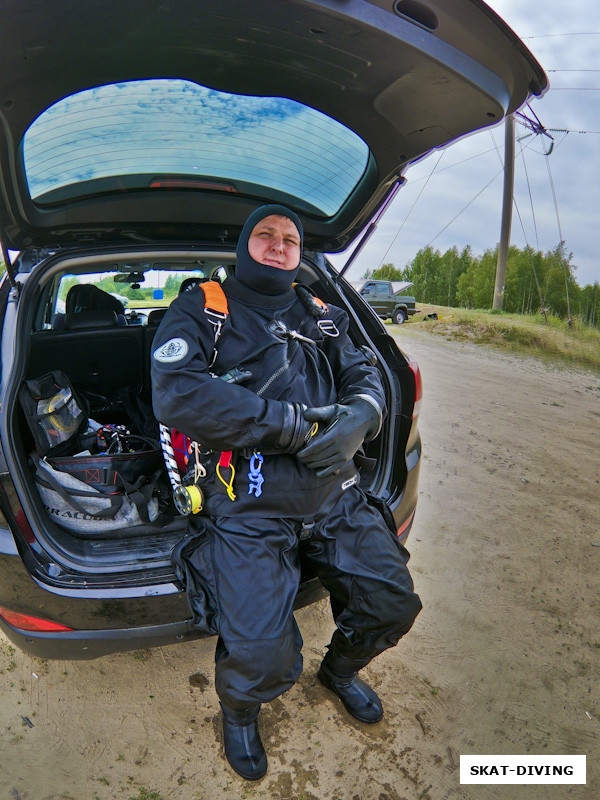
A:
[507, 204]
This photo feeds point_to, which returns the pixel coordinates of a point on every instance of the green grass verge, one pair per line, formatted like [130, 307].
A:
[551, 339]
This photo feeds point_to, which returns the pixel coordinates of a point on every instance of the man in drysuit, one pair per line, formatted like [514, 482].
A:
[280, 401]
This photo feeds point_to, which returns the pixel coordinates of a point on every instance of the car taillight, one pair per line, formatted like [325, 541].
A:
[418, 386]
[7, 488]
[28, 623]
[404, 529]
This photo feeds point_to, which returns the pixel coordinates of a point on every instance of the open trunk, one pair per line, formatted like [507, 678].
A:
[109, 367]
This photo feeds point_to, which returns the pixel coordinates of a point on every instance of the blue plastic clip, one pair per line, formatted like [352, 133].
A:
[255, 479]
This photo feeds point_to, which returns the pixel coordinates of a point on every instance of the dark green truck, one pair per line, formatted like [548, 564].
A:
[385, 299]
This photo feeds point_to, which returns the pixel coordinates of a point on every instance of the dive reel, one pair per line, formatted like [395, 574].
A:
[187, 499]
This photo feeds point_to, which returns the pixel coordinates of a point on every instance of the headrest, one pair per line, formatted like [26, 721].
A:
[89, 320]
[87, 297]
[155, 316]
[190, 283]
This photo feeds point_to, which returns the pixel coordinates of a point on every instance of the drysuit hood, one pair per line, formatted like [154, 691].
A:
[261, 277]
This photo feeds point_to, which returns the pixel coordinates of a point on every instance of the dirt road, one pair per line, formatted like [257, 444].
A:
[504, 658]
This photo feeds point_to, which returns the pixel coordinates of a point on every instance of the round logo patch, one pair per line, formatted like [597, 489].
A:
[173, 350]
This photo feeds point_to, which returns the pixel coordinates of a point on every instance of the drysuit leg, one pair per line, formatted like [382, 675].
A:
[364, 568]
[257, 573]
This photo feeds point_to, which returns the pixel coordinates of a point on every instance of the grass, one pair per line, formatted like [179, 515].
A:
[551, 340]
[144, 794]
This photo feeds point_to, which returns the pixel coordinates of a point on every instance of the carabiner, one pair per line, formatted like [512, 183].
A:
[255, 478]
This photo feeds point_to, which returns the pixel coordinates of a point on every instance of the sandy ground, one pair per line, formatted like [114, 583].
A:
[503, 659]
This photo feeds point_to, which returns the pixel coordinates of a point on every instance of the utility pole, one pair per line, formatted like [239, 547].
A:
[507, 204]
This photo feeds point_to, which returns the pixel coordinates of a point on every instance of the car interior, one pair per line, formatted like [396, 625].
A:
[104, 348]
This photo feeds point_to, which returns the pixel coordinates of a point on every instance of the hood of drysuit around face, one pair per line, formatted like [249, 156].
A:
[262, 277]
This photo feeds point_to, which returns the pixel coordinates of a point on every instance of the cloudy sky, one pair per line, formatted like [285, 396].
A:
[454, 197]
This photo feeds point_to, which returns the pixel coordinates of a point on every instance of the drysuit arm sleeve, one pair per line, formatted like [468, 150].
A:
[354, 375]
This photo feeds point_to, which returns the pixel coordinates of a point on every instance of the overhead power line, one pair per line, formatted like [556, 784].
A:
[565, 33]
[529, 248]
[411, 208]
[537, 238]
[464, 208]
[568, 130]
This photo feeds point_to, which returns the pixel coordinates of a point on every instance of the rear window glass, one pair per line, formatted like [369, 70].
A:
[139, 294]
[130, 135]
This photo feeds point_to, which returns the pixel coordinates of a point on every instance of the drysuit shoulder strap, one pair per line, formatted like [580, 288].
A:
[310, 301]
[215, 301]
[215, 307]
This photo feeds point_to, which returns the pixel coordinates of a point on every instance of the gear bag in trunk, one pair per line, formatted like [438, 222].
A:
[92, 494]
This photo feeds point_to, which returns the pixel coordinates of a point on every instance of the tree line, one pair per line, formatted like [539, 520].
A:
[535, 281]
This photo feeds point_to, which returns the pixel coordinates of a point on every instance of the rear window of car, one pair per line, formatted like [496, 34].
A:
[140, 293]
[177, 134]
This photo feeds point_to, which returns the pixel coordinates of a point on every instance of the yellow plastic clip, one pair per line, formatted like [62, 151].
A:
[228, 486]
[313, 430]
[225, 461]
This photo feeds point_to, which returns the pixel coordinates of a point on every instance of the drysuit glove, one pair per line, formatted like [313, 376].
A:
[343, 427]
[296, 431]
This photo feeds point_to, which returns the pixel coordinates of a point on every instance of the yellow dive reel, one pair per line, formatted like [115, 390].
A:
[188, 500]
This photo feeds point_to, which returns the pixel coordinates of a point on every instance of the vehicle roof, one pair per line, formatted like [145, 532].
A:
[403, 82]
[397, 286]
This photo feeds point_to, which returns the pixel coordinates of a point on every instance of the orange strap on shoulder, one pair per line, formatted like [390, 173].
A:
[320, 303]
[214, 297]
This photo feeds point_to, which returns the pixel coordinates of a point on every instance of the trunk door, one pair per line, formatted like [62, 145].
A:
[153, 121]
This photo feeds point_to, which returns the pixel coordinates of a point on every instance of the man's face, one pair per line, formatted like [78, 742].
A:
[275, 241]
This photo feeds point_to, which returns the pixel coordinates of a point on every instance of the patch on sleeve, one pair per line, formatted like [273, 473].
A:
[173, 350]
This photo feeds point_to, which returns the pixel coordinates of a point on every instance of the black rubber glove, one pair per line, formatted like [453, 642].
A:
[296, 430]
[342, 430]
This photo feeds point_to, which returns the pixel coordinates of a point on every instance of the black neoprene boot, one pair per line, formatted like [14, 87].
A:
[359, 699]
[243, 747]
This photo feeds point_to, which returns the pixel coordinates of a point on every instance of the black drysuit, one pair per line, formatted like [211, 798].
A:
[242, 559]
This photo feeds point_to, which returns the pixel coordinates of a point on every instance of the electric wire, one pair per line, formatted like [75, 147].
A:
[538, 129]
[569, 318]
[472, 200]
[455, 164]
[535, 275]
[565, 33]
[411, 208]
[529, 248]
[567, 130]
[537, 239]
[555, 200]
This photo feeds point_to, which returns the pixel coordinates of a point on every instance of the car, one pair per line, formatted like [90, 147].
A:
[387, 300]
[135, 141]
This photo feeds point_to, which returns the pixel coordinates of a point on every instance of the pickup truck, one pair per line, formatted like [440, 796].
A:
[385, 299]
